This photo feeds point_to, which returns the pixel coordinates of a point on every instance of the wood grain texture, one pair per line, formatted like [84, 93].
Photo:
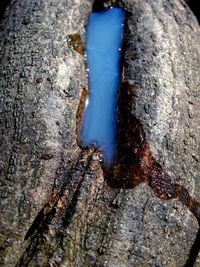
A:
[57, 207]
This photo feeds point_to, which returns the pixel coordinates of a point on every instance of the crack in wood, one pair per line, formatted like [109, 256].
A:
[76, 171]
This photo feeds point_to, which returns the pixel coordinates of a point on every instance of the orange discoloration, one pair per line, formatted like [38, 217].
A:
[76, 43]
[79, 114]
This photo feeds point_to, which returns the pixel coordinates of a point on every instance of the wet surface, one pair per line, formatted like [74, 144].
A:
[135, 163]
[103, 55]
[74, 41]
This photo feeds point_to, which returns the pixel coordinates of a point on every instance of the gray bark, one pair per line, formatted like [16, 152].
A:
[58, 206]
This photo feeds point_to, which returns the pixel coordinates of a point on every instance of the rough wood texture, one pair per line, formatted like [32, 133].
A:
[41, 80]
[58, 207]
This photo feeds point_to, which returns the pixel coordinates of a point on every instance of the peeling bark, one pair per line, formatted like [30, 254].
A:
[59, 207]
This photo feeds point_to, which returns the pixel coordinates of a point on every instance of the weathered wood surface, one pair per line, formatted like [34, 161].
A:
[57, 206]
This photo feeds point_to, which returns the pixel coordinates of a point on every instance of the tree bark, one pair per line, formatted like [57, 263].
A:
[59, 206]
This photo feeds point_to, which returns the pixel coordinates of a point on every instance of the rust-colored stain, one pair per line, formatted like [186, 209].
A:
[135, 163]
[74, 40]
[79, 113]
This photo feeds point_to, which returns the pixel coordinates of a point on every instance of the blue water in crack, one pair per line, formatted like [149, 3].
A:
[103, 53]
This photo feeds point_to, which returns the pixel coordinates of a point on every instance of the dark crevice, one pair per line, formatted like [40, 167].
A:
[38, 227]
[72, 206]
[35, 224]
[194, 251]
[43, 216]
[40, 219]
[101, 5]
[194, 5]
[3, 6]
[60, 205]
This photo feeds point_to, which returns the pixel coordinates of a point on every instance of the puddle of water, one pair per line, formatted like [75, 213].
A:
[103, 55]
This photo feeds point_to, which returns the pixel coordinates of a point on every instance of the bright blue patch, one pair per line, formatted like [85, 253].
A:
[103, 45]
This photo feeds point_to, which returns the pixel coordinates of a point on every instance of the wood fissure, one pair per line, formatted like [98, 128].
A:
[145, 209]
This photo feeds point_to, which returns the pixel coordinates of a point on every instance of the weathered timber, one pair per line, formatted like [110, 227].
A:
[58, 206]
